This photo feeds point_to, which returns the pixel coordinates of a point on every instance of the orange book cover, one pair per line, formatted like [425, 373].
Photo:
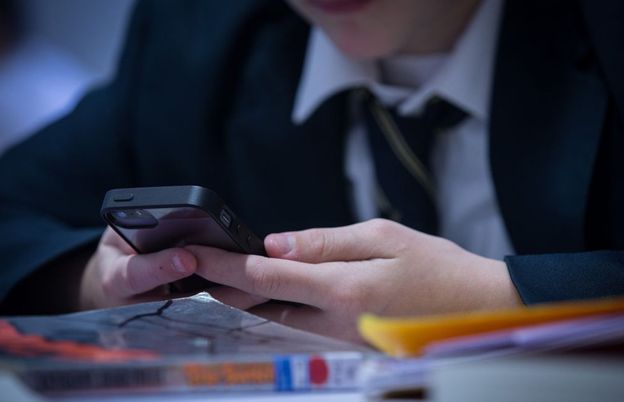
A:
[408, 336]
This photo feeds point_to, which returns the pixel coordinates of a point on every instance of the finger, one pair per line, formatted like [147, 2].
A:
[139, 273]
[377, 238]
[262, 276]
[235, 297]
[111, 238]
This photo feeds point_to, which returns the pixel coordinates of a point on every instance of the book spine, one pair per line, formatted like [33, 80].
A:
[332, 371]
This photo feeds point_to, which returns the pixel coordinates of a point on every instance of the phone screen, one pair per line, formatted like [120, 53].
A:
[154, 229]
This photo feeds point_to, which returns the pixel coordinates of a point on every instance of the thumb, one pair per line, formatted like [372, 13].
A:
[362, 241]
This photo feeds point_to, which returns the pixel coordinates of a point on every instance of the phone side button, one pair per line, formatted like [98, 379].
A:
[123, 197]
[225, 218]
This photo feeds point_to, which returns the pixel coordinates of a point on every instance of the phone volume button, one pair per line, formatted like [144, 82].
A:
[225, 218]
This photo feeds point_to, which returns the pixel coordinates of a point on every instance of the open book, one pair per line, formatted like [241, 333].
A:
[194, 343]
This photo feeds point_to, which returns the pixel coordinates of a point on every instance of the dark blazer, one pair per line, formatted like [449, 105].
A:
[204, 95]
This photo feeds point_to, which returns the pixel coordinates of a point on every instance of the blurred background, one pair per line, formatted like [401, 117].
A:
[51, 52]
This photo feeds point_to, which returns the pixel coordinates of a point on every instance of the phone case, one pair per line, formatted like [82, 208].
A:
[154, 218]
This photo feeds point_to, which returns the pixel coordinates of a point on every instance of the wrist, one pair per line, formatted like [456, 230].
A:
[497, 288]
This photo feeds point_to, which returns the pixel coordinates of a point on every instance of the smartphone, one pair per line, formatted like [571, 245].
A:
[155, 218]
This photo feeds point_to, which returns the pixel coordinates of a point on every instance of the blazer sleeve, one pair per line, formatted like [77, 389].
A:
[569, 276]
[52, 184]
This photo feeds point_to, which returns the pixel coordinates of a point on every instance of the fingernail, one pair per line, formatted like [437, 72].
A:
[178, 265]
[284, 243]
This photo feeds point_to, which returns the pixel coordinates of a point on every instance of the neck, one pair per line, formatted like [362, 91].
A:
[440, 27]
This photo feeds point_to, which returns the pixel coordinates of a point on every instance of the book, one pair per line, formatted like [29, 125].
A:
[540, 377]
[439, 373]
[280, 373]
[186, 344]
[409, 336]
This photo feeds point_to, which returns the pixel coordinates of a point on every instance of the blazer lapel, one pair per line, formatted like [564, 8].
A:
[548, 107]
[606, 30]
[284, 176]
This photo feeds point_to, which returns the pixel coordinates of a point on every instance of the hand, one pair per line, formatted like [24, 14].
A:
[117, 275]
[378, 267]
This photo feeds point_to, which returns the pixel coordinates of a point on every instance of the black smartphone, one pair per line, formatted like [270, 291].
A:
[154, 218]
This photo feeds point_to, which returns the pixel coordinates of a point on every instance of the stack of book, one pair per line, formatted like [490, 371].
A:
[569, 352]
[555, 352]
[194, 344]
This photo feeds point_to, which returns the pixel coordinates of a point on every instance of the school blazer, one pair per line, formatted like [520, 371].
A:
[204, 93]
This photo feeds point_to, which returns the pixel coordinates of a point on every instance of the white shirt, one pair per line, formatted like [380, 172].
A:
[467, 204]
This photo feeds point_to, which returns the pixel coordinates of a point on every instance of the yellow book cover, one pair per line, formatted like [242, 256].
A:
[408, 336]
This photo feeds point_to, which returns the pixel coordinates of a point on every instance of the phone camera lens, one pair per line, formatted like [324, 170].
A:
[133, 218]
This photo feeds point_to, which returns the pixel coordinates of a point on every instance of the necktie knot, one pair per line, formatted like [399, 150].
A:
[442, 115]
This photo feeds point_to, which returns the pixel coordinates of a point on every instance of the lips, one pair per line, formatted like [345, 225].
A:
[339, 6]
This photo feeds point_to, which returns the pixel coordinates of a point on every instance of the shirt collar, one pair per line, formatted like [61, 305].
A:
[465, 79]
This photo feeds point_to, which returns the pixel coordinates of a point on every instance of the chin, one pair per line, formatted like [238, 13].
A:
[363, 47]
